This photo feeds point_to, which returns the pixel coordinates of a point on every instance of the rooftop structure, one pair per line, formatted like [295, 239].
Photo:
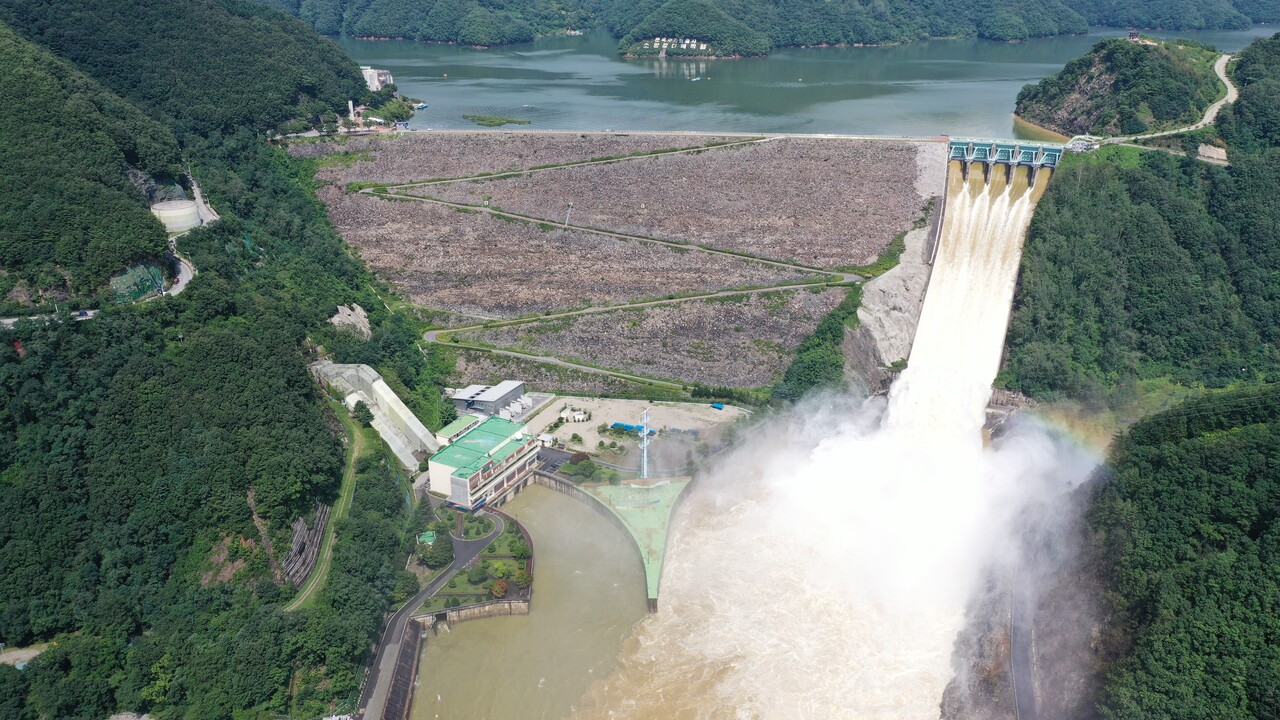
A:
[491, 400]
[457, 428]
[483, 463]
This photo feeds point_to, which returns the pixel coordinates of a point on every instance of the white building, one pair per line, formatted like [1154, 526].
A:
[403, 432]
[376, 79]
[483, 464]
[489, 400]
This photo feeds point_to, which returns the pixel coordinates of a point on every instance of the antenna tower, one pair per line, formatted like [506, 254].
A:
[644, 444]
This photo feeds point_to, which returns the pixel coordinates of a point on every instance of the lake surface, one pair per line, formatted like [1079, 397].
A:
[588, 595]
[955, 87]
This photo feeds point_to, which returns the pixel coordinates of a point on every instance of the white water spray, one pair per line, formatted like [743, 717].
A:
[829, 579]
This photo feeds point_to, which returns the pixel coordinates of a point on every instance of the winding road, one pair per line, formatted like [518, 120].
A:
[1210, 114]
[373, 698]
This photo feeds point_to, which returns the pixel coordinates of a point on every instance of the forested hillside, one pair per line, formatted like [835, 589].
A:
[207, 65]
[1125, 88]
[134, 445]
[1186, 15]
[469, 22]
[69, 216]
[783, 22]
[1185, 535]
[1143, 265]
[1140, 264]
[1253, 122]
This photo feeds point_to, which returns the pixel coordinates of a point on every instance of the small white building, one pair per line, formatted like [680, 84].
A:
[376, 79]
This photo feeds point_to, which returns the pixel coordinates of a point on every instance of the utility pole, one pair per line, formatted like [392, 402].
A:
[644, 443]
[568, 215]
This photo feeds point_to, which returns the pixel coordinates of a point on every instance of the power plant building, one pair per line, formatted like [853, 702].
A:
[483, 464]
[506, 396]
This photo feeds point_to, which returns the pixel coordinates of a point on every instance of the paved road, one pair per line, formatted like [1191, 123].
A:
[1020, 640]
[77, 315]
[1210, 115]
[374, 696]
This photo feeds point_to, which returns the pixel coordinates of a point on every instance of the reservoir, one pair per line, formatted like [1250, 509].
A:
[954, 87]
[588, 595]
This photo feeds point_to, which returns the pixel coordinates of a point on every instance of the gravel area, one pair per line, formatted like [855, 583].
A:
[485, 266]
[826, 203]
[741, 341]
[429, 155]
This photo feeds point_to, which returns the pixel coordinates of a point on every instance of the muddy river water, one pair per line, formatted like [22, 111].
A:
[588, 595]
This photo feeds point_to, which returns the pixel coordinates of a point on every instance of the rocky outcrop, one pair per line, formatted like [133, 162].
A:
[888, 315]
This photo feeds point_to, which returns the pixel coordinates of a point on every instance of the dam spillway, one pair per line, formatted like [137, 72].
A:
[994, 156]
[960, 335]
[825, 574]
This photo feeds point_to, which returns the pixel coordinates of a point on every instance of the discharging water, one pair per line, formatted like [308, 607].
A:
[588, 594]
[823, 571]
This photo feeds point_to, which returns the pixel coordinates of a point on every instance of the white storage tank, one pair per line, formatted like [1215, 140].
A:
[177, 215]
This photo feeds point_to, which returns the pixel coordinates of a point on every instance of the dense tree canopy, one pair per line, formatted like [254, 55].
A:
[783, 22]
[131, 445]
[1186, 533]
[1121, 87]
[205, 65]
[1146, 265]
[1253, 122]
[68, 212]
[470, 22]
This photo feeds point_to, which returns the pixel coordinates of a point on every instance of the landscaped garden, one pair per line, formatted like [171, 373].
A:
[503, 570]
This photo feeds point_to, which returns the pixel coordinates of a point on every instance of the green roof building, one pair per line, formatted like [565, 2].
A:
[483, 463]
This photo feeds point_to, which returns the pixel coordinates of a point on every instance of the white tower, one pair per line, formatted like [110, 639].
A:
[644, 444]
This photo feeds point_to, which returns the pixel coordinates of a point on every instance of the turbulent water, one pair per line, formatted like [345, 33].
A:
[822, 572]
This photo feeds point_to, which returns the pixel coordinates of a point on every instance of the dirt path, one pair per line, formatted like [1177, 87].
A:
[605, 233]
[13, 656]
[320, 573]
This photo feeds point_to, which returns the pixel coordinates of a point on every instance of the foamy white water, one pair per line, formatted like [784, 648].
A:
[828, 578]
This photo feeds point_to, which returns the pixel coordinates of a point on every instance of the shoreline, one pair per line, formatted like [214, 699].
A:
[1057, 136]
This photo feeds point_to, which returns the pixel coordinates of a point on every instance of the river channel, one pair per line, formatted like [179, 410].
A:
[954, 87]
[588, 595]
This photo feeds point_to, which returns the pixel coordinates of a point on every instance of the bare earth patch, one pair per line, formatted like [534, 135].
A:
[430, 155]
[481, 265]
[824, 203]
[741, 341]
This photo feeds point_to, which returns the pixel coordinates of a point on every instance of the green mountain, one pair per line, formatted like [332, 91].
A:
[1184, 535]
[1122, 87]
[69, 215]
[695, 19]
[783, 22]
[1140, 265]
[154, 458]
[259, 68]
[1253, 122]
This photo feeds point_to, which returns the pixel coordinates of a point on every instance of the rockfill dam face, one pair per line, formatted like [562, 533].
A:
[823, 572]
